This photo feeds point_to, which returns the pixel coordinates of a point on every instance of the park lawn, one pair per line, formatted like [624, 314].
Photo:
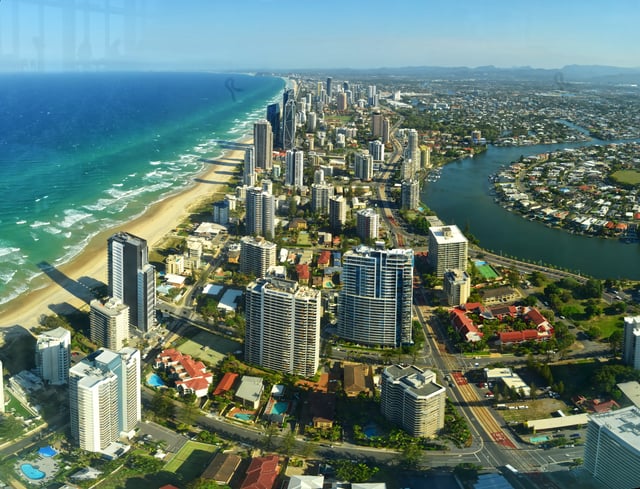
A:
[629, 177]
[14, 406]
[303, 239]
[605, 324]
[209, 347]
[191, 460]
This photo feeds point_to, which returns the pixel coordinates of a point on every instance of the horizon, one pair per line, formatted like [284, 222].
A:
[264, 35]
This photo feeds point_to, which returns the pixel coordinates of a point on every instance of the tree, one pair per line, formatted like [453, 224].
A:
[268, 440]
[288, 443]
[348, 470]
[161, 406]
[410, 456]
[615, 340]
[202, 483]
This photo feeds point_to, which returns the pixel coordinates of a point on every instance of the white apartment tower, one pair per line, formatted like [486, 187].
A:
[413, 149]
[260, 213]
[363, 166]
[612, 448]
[257, 255]
[367, 224]
[457, 286]
[375, 302]
[631, 346]
[294, 175]
[53, 356]
[376, 149]
[2, 410]
[320, 195]
[263, 144]
[411, 398]
[109, 323]
[337, 212]
[249, 170]
[410, 194]
[283, 326]
[448, 249]
[104, 398]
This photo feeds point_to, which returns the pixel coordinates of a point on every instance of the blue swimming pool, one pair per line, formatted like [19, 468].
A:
[154, 380]
[280, 407]
[243, 416]
[47, 451]
[32, 472]
[371, 430]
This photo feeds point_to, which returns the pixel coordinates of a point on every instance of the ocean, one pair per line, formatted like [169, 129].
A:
[83, 152]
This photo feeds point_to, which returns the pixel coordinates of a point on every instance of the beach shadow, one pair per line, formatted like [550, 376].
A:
[231, 144]
[225, 162]
[83, 289]
[212, 182]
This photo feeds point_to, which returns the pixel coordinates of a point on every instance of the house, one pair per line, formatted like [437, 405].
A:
[303, 273]
[306, 482]
[324, 259]
[322, 408]
[262, 473]
[357, 379]
[222, 468]
[297, 224]
[225, 384]
[499, 295]
[250, 391]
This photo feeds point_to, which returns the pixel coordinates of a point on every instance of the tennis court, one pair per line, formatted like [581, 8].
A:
[486, 270]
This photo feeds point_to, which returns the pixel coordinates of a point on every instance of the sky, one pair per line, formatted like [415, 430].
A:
[294, 35]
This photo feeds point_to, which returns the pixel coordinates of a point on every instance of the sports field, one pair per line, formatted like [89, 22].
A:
[191, 460]
[486, 270]
[209, 347]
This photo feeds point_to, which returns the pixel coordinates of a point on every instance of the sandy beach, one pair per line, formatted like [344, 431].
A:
[66, 288]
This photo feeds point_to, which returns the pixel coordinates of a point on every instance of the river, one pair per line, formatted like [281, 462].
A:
[462, 196]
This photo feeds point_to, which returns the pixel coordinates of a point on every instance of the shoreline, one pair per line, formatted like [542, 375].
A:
[66, 288]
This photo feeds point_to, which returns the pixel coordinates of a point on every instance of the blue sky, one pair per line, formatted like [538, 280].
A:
[301, 34]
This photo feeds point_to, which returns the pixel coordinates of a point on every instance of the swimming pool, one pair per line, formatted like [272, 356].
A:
[280, 407]
[371, 430]
[32, 472]
[154, 380]
[47, 451]
[243, 416]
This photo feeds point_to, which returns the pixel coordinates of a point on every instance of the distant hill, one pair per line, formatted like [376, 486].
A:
[567, 74]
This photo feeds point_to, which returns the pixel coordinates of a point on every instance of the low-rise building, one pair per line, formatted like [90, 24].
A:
[250, 391]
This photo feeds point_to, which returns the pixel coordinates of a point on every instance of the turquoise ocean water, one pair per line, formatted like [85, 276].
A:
[83, 152]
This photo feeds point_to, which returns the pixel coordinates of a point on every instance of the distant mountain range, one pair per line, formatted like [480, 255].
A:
[567, 74]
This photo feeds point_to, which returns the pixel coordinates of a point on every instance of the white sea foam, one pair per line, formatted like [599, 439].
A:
[6, 277]
[72, 216]
[155, 163]
[39, 224]
[21, 221]
[8, 250]
[52, 230]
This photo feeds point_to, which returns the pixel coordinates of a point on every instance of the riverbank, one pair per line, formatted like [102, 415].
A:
[67, 288]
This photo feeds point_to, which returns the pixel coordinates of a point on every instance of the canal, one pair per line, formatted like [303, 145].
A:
[462, 196]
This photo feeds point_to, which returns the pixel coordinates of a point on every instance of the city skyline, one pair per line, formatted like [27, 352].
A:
[230, 36]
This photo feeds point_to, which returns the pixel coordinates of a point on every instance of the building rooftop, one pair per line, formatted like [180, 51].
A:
[632, 391]
[447, 234]
[624, 424]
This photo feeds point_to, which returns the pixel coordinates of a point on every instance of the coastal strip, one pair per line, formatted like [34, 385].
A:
[63, 289]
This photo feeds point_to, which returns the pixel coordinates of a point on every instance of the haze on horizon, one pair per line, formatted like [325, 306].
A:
[292, 35]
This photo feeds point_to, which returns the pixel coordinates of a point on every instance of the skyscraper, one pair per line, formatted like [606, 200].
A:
[131, 278]
[631, 346]
[109, 323]
[329, 87]
[249, 170]
[413, 149]
[341, 102]
[448, 249]
[320, 195]
[337, 212]
[104, 398]
[273, 116]
[612, 448]
[410, 194]
[1, 389]
[363, 166]
[283, 326]
[257, 255]
[367, 224]
[289, 120]
[411, 398]
[53, 356]
[374, 305]
[295, 168]
[457, 286]
[260, 213]
[376, 149]
[263, 144]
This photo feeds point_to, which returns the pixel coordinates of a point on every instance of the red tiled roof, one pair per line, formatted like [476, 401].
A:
[262, 473]
[303, 271]
[324, 257]
[518, 336]
[462, 323]
[534, 316]
[226, 383]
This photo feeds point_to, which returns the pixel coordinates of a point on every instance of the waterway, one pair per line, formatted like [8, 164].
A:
[462, 196]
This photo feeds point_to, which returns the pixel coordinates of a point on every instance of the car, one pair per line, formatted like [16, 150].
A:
[476, 364]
